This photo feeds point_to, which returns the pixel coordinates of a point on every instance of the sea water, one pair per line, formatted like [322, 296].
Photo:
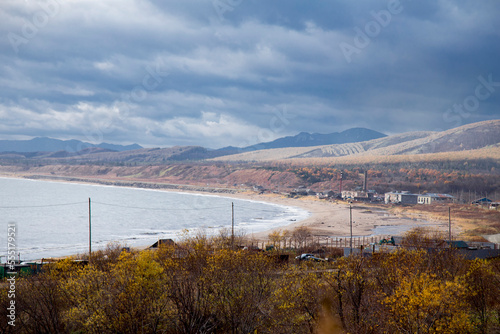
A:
[52, 218]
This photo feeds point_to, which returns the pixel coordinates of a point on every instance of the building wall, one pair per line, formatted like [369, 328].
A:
[403, 198]
[429, 199]
[425, 199]
[392, 198]
[409, 199]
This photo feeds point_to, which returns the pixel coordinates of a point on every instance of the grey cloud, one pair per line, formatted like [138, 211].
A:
[90, 70]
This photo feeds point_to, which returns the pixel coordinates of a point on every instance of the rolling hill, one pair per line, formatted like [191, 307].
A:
[305, 139]
[468, 137]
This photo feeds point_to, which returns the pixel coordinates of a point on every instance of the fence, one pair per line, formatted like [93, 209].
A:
[318, 241]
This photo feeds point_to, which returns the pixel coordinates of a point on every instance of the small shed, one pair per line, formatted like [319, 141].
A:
[457, 244]
[164, 242]
[482, 201]
[495, 205]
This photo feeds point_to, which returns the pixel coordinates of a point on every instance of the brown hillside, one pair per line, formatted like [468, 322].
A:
[474, 136]
[187, 174]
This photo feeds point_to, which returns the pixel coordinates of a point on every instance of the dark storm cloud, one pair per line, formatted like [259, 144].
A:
[236, 72]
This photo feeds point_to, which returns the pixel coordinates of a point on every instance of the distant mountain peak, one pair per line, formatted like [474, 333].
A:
[306, 139]
[46, 144]
[476, 136]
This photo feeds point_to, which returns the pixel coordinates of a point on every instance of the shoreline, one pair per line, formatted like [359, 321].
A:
[326, 218]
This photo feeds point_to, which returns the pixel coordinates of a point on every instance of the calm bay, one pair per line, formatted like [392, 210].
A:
[52, 218]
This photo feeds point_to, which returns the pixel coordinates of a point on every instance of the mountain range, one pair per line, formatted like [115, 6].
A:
[44, 144]
[54, 148]
[465, 138]
[355, 143]
[305, 139]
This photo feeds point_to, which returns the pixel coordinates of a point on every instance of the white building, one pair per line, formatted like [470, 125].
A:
[431, 198]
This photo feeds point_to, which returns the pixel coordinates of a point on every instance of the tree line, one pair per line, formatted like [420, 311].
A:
[397, 177]
[202, 285]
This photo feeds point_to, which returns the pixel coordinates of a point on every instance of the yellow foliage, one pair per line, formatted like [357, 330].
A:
[196, 287]
[424, 304]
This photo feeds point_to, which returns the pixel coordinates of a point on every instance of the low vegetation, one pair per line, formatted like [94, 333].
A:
[473, 220]
[467, 179]
[201, 285]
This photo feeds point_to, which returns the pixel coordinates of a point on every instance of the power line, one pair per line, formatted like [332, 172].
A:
[128, 207]
[159, 209]
[40, 206]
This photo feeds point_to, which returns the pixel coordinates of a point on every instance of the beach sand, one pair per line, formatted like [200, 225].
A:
[331, 218]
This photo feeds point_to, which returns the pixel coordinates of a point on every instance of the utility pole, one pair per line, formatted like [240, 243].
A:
[232, 225]
[449, 223]
[90, 229]
[350, 223]
[340, 185]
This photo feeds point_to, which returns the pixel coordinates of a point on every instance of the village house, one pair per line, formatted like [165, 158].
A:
[482, 201]
[430, 198]
[350, 194]
[358, 195]
[326, 194]
[403, 197]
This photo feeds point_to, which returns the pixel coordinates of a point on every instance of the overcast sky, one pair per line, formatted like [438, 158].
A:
[237, 72]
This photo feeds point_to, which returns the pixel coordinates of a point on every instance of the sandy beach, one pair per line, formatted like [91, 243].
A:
[331, 218]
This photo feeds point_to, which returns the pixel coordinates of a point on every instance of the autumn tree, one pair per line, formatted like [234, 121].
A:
[5, 327]
[300, 236]
[483, 295]
[184, 266]
[296, 302]
[130, 298]
[424, 304]
[276, 238]
[239, 285]
[40, 304]
[352, 290]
